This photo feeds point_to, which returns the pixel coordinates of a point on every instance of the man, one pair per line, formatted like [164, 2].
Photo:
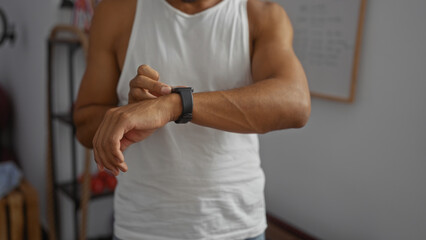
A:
[200, 180]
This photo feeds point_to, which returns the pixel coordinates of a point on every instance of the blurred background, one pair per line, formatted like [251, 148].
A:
[356, 171]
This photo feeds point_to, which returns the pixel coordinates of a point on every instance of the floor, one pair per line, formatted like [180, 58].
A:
[274, 232]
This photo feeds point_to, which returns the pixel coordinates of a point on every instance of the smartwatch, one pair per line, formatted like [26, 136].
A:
[187, 103]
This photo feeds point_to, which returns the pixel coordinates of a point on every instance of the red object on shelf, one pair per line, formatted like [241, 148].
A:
[103, 175]
[100, 182]
[97, 185]
[110, 182]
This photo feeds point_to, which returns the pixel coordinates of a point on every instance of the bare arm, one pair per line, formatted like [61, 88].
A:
[279, 97]
[97, 91]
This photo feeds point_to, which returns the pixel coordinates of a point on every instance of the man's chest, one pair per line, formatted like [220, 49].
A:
[122, 41]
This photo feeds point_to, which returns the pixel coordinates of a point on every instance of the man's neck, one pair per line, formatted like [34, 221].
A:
[193, 6]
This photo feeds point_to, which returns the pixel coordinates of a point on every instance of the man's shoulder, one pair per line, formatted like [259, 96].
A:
[115, 5]
[114, 14]
[263, 5]
[262, 9]
[266, 15]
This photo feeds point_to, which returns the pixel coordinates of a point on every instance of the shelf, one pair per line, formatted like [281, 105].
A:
[68, 189]
[72, 39]
[63, 117]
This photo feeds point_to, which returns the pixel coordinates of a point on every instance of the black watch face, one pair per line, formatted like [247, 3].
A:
[186, 97]
[179, 89]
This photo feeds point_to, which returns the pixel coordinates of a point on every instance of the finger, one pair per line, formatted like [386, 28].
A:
[154, 87]
[116, 134]
[95, 150]
[122, 166]
[111, 141]
[118, 137]
[98, 162]
[97, 144]
[117, 153]
[138, 94]
[125, 143]
[103, 148]
[107, 165]
[149, 72]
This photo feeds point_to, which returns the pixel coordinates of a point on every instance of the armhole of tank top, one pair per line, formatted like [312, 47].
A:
[130, 45]
[246, 33]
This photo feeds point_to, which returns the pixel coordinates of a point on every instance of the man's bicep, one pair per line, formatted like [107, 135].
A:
[273, 54]
[99, 82]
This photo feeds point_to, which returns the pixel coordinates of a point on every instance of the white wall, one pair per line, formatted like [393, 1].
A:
[23, 73]
[354, 172]
[359, 171]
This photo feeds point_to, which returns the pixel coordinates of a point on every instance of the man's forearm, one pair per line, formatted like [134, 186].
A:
[87, 120]
[264, 106]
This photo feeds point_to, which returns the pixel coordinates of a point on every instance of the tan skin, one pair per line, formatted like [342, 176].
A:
[277, 99]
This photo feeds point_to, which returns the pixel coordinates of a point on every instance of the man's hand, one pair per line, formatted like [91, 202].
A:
[146, 85]
[125, 125]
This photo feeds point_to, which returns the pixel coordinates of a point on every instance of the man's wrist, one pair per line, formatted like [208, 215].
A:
[173, 105]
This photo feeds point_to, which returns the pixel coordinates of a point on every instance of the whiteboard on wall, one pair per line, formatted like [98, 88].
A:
[327, 38]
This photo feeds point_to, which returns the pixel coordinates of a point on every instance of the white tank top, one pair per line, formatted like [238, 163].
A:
[187, 181]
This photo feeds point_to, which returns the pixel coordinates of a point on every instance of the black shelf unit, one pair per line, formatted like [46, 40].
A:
[70, 189]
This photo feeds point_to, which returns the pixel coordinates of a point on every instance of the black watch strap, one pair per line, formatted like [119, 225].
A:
[187, 103]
